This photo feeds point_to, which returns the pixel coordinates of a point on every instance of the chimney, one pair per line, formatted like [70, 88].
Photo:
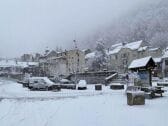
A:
[124, 43]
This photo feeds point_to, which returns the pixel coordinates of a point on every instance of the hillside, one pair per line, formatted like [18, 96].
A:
[148, 22]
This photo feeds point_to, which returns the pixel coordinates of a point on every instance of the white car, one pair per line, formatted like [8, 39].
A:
[42, 83]
[82, 85]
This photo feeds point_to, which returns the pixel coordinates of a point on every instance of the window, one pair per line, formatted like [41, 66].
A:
[166, 62]
[116, 57]
[125, 62]
[124, 55]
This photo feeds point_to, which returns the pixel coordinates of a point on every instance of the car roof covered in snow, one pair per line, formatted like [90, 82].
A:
[64, 80]
[140, 62]
[43, 78]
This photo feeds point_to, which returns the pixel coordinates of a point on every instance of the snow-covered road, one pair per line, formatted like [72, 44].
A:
[21, 107]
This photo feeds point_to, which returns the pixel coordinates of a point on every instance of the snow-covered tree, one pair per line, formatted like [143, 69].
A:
[100, 60]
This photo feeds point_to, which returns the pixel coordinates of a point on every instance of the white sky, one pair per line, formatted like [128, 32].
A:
[31, 25]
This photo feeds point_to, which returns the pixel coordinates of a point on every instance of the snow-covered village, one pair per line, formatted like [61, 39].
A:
[63, 64]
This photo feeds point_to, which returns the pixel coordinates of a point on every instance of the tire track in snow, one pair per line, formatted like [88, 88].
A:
[11, 108]
[52, 115]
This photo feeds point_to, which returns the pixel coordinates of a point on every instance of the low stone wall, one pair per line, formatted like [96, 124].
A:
[117, 86]
[13, 76]
[135, 98]
[98, 87]
[91, 77]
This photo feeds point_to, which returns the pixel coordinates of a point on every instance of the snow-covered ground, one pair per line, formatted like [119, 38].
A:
[21, 107]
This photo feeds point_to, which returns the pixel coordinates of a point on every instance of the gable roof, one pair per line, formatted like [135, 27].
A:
[143, 48]
[132, 45]
[13, 63]
[116, 45]
[52, 53]
[90, 55]
[138, 63]
[116, 50]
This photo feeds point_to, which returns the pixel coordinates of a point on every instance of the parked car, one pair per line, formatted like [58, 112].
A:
[67, 84]
[53, 79]
[42, 83]
[24, 82]
[82, 85]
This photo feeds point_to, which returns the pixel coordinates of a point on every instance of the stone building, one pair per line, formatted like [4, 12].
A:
[165, 63]
[155, 52]
[63, 63]
[123, 54]
[27, 58]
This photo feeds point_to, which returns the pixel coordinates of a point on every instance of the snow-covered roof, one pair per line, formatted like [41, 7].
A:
[153, 49]
[90, 55]
[139, 62]
[143, 48]
[13, 63]
[157, 60]
[116, 45]
[132, 45]
[116, 50]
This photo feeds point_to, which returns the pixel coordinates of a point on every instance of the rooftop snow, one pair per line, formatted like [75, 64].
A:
[132, 46]
[48, 81]
[13, 63]
[116, 45]
[142, 48]
[116, 50]
[139, 62]
[90, 55]
[153, 49]
[157, 60]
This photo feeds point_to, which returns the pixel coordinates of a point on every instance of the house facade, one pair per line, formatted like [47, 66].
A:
[63, 63]
[155, 52]
[123, 54]
[27, 58]
[165, 63]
